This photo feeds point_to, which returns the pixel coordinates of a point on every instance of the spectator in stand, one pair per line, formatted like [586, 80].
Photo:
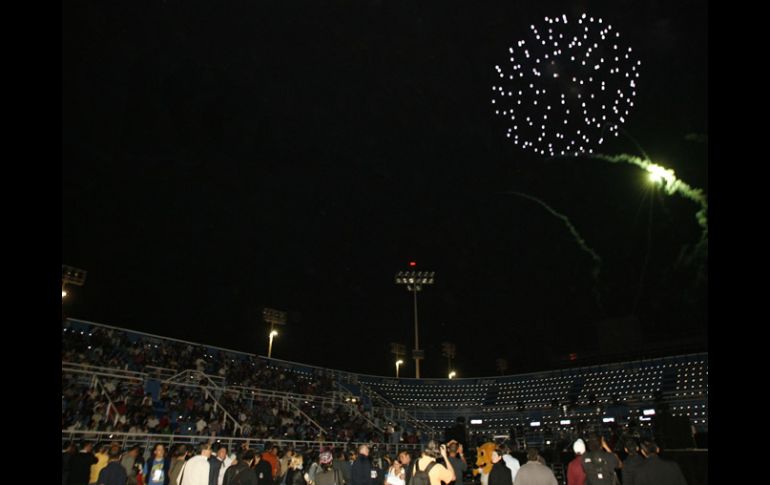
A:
[201, 425]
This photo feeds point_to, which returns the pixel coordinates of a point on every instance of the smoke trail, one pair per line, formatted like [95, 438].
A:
[669, 183]
[581, 242]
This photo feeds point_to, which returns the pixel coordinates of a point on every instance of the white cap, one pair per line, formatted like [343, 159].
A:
[579, 447]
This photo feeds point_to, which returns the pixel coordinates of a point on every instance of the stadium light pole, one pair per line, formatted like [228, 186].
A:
[448, 350]
[414, 281]
[273, 317]
[502, 365]
[273, 334]
[398, 350]
[73, 276]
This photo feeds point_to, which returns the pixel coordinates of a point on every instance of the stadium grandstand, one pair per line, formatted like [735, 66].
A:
[139, 389]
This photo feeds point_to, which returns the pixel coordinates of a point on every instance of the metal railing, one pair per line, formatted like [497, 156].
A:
[147, 440]
[102, 371]
[402, 414]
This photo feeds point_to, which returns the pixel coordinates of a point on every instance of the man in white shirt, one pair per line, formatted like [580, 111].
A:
[196, 470]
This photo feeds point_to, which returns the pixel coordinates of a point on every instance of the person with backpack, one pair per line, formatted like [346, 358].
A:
[240, 472]
[313, 469]
[327, 475]
[425, 470]
[263, 470]
[296, 475]
[599, 464]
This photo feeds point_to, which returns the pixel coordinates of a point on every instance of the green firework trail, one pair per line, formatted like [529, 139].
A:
[670, 183]
[578, 238]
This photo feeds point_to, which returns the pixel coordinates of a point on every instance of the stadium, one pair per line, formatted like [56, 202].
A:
[140, 389]
[385, 243]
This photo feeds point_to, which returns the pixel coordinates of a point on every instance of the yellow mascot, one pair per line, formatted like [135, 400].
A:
[484, 461]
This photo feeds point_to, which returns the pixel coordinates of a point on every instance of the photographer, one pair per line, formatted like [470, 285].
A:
[426, 471]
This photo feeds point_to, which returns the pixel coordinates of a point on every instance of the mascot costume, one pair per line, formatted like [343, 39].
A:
[484, 461]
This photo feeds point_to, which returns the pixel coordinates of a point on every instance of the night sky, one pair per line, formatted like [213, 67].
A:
[220, 157]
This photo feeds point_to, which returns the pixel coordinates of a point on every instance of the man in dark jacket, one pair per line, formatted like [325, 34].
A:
[342, 467]
[656, 471]
[80, 465]
[405, 458]
[240, 471]
[113, 473]
[632, 462]
[216, 462]
[500, 474]
[362, 472]
[177, 462]
[67, 452]
[599, 464]
[262, 470]
[128, 463]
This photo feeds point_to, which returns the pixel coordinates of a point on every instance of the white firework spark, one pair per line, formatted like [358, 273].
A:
[571, 81]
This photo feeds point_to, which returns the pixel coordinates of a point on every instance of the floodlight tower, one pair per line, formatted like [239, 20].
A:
[414, 281]
[73, 276]
[273, 317]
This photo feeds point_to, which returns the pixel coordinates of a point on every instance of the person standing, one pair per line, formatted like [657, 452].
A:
[113, 473]
[575, 473]
[196, 470]
[656, 471]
